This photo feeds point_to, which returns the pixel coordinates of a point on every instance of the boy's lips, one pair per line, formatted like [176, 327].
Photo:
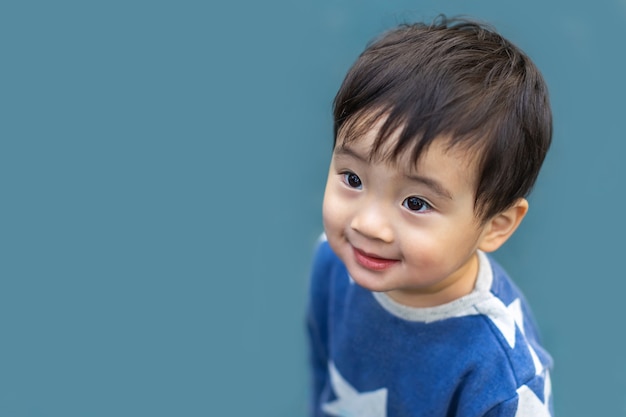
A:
[371, 261]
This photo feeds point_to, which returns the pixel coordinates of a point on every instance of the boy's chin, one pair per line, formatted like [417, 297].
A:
[367, 282]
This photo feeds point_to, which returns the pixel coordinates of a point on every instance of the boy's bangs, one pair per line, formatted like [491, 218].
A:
[412, 137]
[390, 125]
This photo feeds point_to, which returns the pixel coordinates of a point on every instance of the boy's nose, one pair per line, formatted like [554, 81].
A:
[372, 223]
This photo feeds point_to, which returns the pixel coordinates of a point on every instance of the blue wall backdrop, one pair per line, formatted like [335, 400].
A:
[162, 167]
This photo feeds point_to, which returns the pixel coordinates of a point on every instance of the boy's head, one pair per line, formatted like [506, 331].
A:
[440, 132]
[459, 80]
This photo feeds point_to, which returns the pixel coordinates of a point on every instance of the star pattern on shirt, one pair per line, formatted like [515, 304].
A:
[350, 402]
[529, 405]
[515, 309]
[501, 317]
[507, 319]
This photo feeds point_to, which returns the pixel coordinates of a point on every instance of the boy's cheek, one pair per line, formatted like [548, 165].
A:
[327, 212]
[332, 212]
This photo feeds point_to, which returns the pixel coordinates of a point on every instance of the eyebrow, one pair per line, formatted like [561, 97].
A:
[428, 182]
[345, 151]
[432, 184]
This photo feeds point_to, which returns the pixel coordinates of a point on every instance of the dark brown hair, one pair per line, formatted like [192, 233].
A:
[460, 79]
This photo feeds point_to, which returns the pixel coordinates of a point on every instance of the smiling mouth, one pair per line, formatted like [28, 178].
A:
[373, 262]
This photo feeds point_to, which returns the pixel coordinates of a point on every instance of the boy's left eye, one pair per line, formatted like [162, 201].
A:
[352, 180]
[416, 204]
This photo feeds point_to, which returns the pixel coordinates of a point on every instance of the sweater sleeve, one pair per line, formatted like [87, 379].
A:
[317, 325]
[525, 404]
[504, 409]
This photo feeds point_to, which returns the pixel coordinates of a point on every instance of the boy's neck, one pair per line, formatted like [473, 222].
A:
[457, 285]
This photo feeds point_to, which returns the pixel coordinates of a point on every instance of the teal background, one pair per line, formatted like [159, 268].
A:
[162, 166]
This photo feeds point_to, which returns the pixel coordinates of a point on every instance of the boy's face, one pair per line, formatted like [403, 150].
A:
[403, 228]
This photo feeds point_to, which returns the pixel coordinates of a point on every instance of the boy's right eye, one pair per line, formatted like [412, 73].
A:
[352, 180]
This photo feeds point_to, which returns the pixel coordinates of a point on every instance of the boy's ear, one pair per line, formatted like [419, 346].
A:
[500, 227]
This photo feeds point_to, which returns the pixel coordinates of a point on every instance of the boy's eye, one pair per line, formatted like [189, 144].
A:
[416, 204]
[352, 180]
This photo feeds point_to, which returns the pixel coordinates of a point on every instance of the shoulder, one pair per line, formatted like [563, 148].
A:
[510, 318]
[327, 272]
[325, 263]
[517, 309]
[324, 255]
[503, 286]
[516, 370]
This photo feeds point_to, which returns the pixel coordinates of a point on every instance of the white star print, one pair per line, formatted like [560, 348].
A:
[515, 309]
[529, 405]
[350, 402]
[506, 318]
[497, 312]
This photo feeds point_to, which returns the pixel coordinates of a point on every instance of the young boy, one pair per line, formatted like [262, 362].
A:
[440, 132]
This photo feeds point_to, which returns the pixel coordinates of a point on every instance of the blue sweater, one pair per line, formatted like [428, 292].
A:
[475, 356]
